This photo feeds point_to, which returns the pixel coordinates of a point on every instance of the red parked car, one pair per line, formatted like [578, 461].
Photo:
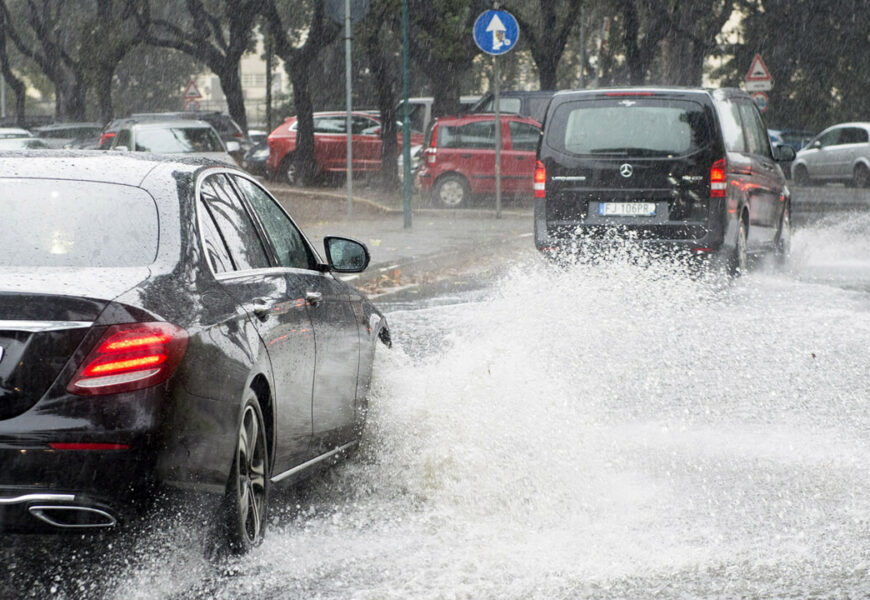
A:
[330, 144]
[459, 158]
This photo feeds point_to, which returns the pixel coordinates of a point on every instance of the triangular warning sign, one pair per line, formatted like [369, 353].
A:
[758, 70]
[192, 91]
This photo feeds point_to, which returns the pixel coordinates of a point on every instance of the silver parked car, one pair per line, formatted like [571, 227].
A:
[190, 138]
[839, 153]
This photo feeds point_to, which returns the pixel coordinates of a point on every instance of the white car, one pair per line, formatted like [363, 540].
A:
[14, 132]
[839, 153]
[191, 138]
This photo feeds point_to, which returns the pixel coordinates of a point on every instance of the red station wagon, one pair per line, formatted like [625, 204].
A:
[330, 144]
[459, 158]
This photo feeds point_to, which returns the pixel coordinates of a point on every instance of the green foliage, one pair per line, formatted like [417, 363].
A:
[816, 52]
[151, 79]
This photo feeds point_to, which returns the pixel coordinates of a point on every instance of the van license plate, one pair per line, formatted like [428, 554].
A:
[627, 209]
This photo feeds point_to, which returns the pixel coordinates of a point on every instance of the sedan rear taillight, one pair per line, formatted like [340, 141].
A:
[718, 182]
[540, 180]
[130, 357]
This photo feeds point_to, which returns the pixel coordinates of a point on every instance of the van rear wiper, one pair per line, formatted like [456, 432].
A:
[626, 151]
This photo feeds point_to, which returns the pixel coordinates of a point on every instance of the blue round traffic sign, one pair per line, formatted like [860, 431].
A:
[496, 32]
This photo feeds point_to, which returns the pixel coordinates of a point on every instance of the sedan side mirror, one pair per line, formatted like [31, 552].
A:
[816, 145]
[784, 153]
[345, 255]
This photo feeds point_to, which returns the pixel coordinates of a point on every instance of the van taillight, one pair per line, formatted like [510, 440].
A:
[130, 357]
[540, 180]
[718, 183]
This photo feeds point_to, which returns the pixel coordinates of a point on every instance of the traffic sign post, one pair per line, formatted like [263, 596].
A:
[758, 77]
[761, 100]
[191, 96]
[496, 32]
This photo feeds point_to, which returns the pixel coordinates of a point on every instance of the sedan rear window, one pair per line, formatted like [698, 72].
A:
[177, 140]
[630, 126]
[57, 223]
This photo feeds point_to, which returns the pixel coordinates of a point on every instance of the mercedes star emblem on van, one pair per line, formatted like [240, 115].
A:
[625, 170]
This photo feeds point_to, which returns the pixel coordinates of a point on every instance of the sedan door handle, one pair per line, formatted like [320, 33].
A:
[260, 307]
[313, 298]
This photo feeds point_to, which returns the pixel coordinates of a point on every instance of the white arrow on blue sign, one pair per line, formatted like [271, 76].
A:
[496, 32]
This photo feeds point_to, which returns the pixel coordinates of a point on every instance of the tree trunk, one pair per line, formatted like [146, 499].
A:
[70, 92]
[447, 90]
[103, 88]
[306, 166]
[547, 71]
[231, 85]
[385, 85]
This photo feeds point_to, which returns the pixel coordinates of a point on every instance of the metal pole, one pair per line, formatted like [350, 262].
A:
[349, 100]
[269, 53]
[582, 48]
[3, 96]
[496, 86]
[406, 122]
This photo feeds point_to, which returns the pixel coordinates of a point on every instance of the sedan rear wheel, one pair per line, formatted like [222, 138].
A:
[246, 500]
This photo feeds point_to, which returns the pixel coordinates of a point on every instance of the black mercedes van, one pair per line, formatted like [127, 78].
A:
[676, 168]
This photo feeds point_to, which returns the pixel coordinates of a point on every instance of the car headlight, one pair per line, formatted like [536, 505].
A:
[261, 154]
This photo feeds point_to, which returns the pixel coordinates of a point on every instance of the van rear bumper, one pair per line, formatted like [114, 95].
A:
[707, 235]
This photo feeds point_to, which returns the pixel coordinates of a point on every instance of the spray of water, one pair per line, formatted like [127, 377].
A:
[621, 427]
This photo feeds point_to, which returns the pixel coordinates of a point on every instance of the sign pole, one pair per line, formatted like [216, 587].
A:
[496, 32]
[406, 123]
[349, 101]
[496, 86]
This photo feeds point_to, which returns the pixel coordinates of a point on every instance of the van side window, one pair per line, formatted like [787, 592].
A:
[756, 134]
[732, 128]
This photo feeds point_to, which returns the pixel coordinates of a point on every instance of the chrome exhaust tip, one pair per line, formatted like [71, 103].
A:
[73, 517]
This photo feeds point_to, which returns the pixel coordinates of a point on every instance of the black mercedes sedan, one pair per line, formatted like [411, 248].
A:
[166, 325]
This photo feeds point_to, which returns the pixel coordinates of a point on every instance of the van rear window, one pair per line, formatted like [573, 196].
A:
[630, 126]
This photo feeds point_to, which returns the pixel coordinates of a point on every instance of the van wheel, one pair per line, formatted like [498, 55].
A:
[861, 176]
[247, 495]
[801, 175]
[740, 257]
[451, 191]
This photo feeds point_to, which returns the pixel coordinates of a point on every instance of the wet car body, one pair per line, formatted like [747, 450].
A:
[724, 184]
[74, 457]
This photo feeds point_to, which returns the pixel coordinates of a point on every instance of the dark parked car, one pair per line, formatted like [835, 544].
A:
[227, 129]
[158, 323]
[674, 168]
[531, 104]
[70, 135]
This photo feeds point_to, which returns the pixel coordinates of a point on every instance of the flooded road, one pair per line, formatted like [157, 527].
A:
[609, 430]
